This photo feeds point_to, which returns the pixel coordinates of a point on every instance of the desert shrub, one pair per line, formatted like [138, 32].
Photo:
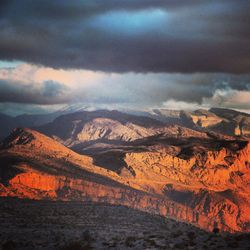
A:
[233, 244]
[242, 237]
[180, 245]
[176, 234]
[116, 238]
[152, 243]
[191, 235]
[72, 246]
[216, 230]
[110, 244]
[191, 243]
[78, 245]
[168, 187]
[152, 236]
[9, 245]
[129, 242]
[86, 236]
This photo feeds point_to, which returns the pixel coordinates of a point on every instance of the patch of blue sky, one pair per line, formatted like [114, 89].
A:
[9, 64]
[131, 22]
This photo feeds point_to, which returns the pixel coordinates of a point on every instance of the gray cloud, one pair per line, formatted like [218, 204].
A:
[163, 36]
[121, 90]
[138, 89]
[48, 92]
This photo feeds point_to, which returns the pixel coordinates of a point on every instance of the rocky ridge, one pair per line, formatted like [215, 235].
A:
[207, 186]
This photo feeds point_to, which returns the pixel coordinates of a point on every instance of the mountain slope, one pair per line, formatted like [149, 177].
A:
[8, 123]
[213, 182]
[206, 187]
[34, 166]
[235, 122]
[113, 126]
[223, 121]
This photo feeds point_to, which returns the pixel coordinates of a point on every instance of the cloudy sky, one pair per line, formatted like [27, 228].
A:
[124, 54]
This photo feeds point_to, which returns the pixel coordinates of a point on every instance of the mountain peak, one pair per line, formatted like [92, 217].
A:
[29, 138]
[19, 136]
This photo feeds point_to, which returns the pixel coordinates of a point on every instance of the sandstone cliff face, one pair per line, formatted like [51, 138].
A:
[208, 187]
[40, 186]
[204, 118]
[215, 183]
[217, 169]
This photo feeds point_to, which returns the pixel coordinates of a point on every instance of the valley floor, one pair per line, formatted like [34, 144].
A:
[27, 224]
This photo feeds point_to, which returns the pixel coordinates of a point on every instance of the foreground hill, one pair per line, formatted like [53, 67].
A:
[29, 225]
[203, 181]
[35, 166]
[198, 165]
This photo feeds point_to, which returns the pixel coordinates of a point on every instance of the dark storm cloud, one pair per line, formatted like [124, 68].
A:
[120, 36]
[48, 92]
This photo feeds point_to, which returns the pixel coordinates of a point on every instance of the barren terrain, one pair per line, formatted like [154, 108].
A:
[51, 225]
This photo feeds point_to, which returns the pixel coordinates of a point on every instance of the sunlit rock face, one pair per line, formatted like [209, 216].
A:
[181, 172]
[215, 183]
[112, 130]
[205, 119]
[103, 126]
[223, 121]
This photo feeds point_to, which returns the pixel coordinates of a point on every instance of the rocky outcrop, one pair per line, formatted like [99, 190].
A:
[102, 128]
[215, 183]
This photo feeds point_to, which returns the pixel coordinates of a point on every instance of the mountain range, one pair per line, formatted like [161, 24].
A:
[190, 166]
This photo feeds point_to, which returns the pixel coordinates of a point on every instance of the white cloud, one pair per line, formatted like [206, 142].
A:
[177, 105]
[229, 98]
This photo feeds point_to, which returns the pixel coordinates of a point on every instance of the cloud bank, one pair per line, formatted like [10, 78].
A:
[29, 84]
[134, 53]
[128, 36]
